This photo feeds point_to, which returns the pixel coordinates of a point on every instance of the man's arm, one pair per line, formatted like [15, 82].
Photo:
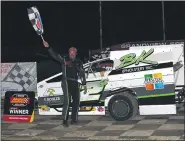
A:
[52, 53]
[81, 72]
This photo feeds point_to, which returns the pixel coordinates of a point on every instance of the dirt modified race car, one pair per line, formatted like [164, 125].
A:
[140, 79]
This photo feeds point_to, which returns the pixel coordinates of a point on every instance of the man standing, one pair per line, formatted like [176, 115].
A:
[71, 69]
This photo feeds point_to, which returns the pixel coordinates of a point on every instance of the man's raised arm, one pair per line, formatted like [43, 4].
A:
[52, 53]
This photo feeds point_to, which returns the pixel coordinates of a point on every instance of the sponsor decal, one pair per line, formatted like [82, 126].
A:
[51, 100]
[19, 100]
[90, 108]
[127, 45]
[44, 108]
[67, 63]
[153, 81]
[130, 59]
[141, 68]
[51, 92]
[101, 109]
[102, 73]
[103, 82]
[137, 69]
[82, 108]
[87, 108]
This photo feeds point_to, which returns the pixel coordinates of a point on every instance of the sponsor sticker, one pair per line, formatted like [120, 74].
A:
[88, 108]
[44, 108]
[154, 81]
[101, 109]
[132, 59]
[51, 92]
[51, 100]
[19, 100]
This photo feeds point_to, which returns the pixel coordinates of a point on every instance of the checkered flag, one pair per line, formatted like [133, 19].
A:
[20, 76]
[36, 21]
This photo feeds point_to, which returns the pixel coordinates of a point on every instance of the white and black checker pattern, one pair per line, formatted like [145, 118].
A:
[34, 17]
[26, 100]
[98, 128]
[103, 54]
[20, 76]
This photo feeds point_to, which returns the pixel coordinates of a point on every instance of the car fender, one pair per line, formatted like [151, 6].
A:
[106, 94]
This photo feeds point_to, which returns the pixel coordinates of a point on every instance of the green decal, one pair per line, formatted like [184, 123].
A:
[128, 60]
[103, 82]
[51, 92]
[131, 59]
[148, 76]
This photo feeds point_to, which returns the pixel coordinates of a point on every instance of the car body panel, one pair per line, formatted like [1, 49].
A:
[132, 77]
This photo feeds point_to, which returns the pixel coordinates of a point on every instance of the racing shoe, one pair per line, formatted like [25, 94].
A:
[65, 124]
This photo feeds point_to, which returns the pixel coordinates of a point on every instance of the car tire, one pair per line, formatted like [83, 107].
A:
[128, 106]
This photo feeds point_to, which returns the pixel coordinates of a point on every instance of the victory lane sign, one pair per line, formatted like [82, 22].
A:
[19, 106]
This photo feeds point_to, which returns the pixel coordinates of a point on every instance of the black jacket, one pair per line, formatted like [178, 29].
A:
[71, 69]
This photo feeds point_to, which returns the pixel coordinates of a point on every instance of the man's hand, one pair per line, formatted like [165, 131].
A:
[85, 89]
[45, 44]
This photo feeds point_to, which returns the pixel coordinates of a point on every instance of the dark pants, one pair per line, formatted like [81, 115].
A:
[70, 89]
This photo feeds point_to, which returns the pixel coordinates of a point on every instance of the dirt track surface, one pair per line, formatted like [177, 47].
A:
[98, 128]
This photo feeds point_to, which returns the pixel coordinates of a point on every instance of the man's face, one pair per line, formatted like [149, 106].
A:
[72, 54]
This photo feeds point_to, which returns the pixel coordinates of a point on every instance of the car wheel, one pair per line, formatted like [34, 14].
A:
[123, 106]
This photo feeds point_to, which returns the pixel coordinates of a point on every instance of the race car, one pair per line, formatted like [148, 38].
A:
[141, 79]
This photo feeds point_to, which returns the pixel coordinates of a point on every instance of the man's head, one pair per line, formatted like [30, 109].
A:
[72, 53]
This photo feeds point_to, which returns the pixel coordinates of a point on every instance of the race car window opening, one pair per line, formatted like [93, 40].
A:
[91, 70]
[105, 65]
[56, 79]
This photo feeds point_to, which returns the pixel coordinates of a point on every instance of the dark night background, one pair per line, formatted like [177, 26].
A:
[77, 24]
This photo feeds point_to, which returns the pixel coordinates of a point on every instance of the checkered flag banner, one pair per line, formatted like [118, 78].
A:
[35, 19]
[19, 76]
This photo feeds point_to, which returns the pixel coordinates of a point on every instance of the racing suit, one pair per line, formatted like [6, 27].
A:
[71, 69]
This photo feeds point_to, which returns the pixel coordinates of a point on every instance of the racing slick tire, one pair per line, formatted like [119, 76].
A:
[123, 106]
